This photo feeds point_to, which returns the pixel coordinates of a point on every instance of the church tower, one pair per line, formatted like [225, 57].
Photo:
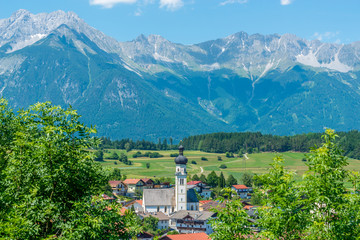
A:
[180, 181]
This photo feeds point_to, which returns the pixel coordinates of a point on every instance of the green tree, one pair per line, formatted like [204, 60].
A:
[116, 174]
[231, 222]
[49, 176]
[147, 165]
[99, 155]
[150, 223]
[212, 179]
[203, 178]
[247, 179]
[221, 181]
[231, 181]
[114, 155]
[195, 178]
[334, 212]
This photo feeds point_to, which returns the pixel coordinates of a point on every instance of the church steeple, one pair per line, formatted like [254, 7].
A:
[180, 180]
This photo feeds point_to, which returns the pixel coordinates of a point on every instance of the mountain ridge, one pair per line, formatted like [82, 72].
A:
[151, 87]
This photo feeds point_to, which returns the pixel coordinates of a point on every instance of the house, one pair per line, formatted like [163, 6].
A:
[107, 198]
[170, 200]
[163, 222]
[189, 236]
[241, 190]
[207, 205]
[192, 221]
[203, 190]
[136, 204]
[133, 185]
[149, 183]
[118, 187]
[144, 236]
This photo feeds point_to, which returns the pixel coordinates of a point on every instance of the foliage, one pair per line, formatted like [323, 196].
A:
[150, 223]
[281, 216]
[223, 166]
[174, 154]
[219, 158]
[99, 155]
[204, 159]
[193, 162]
[195, 178]
[115, 174]
[229, 155]
[147, 165]
[114, 155]
[212, 179]
[247, 179]
[231, 222]
[203, 178]
[221, 181]
[231, 180]
[47, 176]
[255, 141]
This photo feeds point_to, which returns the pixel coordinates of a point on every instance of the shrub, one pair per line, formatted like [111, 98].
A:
[219, 158]
[115, 163]
[147, 165]
[222, 166]
[193, 162]
[204, 158]
[174, 154]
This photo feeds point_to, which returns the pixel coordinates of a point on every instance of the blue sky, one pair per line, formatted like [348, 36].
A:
[194, 21]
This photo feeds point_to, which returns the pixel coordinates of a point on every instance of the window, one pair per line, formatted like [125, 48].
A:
[158, 208]
[165, 209]
[172, 209]
[192, 207]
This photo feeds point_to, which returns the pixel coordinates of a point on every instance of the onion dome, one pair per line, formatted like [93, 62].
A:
[181, 159]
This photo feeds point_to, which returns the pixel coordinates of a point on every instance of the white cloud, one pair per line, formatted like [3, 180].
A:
[285, 2]
[233, 1]
[171, 5]
[327, 37]
[110, 3]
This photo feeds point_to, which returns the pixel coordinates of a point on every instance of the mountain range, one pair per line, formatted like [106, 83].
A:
[152, 88]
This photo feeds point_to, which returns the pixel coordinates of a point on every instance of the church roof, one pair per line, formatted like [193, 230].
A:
[181, 159]
[159, 197]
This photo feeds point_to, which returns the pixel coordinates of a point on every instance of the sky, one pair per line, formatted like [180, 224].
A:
[195, 21]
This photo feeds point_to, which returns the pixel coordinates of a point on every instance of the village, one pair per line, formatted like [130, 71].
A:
[183, 209]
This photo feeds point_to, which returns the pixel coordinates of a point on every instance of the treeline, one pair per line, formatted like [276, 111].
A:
[244, 142]
[129, 144]
[257, 142]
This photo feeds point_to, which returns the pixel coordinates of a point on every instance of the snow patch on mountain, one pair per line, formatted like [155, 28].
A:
[311, 60]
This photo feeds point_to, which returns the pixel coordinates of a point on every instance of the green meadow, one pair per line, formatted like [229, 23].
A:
[257, 163]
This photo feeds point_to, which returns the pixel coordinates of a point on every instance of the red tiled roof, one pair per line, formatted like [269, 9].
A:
[189, 236]
[147, 180]
[132, 181]
[248, 207]
[139, 202]
[240, 186]
[106, 197]
[204, 201]
[114, 183]
[194, 182]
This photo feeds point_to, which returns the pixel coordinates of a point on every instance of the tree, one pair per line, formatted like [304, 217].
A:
[150, 223]
[231, 222]
[203, 178]
[195, 178]
[221, 181]
[116, 174]
[99, 155]
[231, 181]
[114, 155]
[247, 179]
[212, 179]
[147, 165]
[49, 176]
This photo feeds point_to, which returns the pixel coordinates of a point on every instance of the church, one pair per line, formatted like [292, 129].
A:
[170, 200]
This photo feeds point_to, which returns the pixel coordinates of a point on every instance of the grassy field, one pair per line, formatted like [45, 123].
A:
[165, 166]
